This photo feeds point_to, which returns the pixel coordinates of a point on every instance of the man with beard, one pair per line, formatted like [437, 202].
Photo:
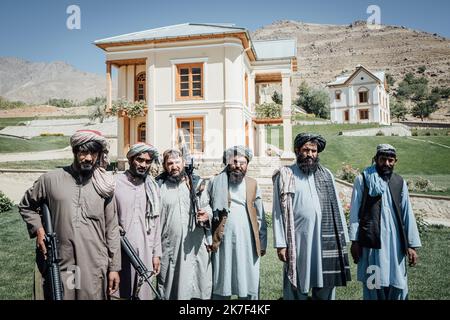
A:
[383, 229]
[310, 231]
[83, 213]
[138, 207]
[185, 264]
[240, 230]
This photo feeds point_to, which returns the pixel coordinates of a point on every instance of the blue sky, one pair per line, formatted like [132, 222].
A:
[36, 29]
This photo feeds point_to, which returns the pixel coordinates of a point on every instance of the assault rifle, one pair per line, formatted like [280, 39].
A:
[142, 273]
[53, 288]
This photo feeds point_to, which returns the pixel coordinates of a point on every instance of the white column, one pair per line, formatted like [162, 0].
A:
[286, 115]
[151, 100]
[251, 92]
[108, 86]
[261, 133]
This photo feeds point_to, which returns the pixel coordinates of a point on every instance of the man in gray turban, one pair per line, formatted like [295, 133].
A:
[310, 231]
[239, 228]
[138, 206]
[83, 213]
[383, 228]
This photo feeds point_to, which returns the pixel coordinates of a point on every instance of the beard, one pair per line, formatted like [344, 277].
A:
[86, 169]
[175, 177]
[139, 172]
[385, 172]
[307, 164]
[235, 176]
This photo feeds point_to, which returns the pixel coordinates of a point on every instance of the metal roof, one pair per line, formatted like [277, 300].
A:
[273, 49]
[343, 78]
[174, 31]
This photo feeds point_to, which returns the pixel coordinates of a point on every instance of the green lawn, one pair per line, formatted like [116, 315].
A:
[429, 280]
[8, 145]
[6, 122]
[416, 158]
[38, 164]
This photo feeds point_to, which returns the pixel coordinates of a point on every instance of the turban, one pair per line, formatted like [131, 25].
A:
[303, 138]
[103, 182]
[84, 136]
[142, 147]
[237, 151]
[386, 149]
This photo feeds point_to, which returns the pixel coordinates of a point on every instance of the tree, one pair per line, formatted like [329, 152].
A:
[424, 108]
[390, 79]
[313, 100]
[277, 98]
[398, 109]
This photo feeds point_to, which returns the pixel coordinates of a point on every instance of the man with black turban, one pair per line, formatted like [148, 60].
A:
[239, 228]
[310, 231]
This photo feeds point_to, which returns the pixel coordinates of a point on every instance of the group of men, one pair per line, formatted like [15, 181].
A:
[204, 238]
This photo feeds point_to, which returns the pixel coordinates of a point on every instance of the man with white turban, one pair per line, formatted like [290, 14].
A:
[239, 228]
[383, 229]
[83, 213]
[138, 207]
[309, 227]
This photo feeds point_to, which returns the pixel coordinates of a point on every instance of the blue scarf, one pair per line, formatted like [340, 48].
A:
[377, 186]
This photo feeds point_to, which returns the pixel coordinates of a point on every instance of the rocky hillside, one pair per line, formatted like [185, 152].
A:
[36, 82]
[325, 51]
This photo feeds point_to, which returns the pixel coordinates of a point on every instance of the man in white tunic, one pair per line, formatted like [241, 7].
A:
[310, 231]
[137, 199]
[240, 230]
[186, 269]
[383, 229]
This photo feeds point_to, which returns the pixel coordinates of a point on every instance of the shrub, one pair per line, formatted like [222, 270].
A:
[52, 134]
[380, 133]
[61, 103]
[268, 110]
[5, 203]
[422, 225]
[347, 173]
[428, 133]
[415, 133]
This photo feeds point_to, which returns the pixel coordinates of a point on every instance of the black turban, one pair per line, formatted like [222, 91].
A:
[304, 137]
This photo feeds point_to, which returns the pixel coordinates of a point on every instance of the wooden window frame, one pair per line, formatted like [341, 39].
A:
[363, 91]
[139, 131]
[360, 111]
[191, 120]
[136, 82]
[346, 113]
[189, 66]
[337, 95]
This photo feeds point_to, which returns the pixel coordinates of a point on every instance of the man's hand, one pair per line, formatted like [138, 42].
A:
[202, 215]
[263, 253]
[412, 257]
[40, 241]
[113, 282]
[156, 265]
[281, 252]
[356, 251]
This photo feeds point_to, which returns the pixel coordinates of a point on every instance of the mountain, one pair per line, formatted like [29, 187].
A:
[325, 51]
[36, 82]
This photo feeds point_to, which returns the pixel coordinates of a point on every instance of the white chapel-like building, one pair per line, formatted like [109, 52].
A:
[199, 82]
[360, 97]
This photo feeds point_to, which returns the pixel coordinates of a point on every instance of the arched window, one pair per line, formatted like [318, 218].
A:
[363, 94]
[139, 86]
[141, 132]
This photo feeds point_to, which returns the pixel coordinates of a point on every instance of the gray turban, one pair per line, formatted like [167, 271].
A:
[237, 151]
[142, 147]
[304, 137]
[386, 149]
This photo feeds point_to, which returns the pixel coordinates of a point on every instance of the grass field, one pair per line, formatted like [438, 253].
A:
[417, 156]
[6, 122]
[429, 280]
[38, 164]
[8, 145]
